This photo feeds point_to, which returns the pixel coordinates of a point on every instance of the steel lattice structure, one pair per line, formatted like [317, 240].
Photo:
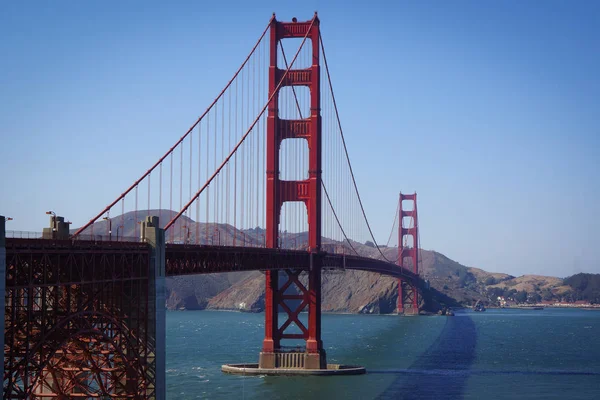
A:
[78, 323]
[308, 191]
[408, 256]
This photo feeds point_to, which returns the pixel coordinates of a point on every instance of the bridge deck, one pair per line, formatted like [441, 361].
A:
[182, 259]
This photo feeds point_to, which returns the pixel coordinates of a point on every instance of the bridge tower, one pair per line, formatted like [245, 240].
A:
[408, 255]
[307, 191]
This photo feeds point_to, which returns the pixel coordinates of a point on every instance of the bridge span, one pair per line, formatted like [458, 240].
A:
[87, 308]
[86, 318]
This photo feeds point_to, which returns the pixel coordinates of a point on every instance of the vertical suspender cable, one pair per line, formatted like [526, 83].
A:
[171, 194]
[136, 210]
[160, 188]
[199, 183]
[235, 169]
[180, 184]
[137, 182]
[216, 185]
[122, 215]
[191, 171]
[222, 185]
[240, 142]
[243, 166]
[228, 168]
[149, 180]
[207, 174]
[257, 140]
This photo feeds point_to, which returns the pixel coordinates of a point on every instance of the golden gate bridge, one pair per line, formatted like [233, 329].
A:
[84, 312]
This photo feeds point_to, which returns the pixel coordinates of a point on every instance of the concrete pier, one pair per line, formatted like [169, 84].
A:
[59, 229]
[331, 370]
[292, 360]
[2, 282]
[155, 237]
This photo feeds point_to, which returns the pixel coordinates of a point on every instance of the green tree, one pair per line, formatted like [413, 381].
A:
[495, 292]
[508, 292]
[521, 297]
[584, 287]
[534, 298]
[547, 295]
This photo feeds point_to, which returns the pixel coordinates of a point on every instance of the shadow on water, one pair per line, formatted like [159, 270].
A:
[442, 370]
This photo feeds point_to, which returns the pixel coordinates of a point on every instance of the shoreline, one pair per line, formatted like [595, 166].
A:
[520, 307]
[424, 313]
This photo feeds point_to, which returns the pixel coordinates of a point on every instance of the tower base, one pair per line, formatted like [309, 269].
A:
[408, 311]
[254, 369]
[292, 360]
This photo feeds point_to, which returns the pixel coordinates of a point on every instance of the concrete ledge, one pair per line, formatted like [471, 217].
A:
[332, 369]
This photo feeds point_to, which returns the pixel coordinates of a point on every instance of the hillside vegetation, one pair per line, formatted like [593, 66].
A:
[452, 283]
[583, 287]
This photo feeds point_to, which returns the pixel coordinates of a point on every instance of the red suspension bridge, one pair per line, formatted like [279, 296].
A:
[262, 181]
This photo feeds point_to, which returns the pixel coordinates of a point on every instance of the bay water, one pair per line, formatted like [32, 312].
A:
[497, 354]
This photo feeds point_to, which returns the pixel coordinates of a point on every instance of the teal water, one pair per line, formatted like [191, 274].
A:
[498, 354]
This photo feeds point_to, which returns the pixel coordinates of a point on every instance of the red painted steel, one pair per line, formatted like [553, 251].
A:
[408, 257]
[78, 320]
[307, 191]
[201, 259]
[79, 315]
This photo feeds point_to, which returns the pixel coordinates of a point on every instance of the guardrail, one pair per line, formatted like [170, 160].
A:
[104, 238]
[23, 235]
[93, 238]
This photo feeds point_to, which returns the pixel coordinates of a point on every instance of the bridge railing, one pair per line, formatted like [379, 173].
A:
[105, 238]
[23, 235]
[94, 238]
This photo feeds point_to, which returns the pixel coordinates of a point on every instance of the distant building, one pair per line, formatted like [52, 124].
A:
[502, 302]
[583, 303]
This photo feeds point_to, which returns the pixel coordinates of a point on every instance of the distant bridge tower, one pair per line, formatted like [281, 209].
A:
[408, 255]
[307, 191]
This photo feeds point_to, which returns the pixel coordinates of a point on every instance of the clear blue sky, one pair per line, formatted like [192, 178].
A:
[489, 110]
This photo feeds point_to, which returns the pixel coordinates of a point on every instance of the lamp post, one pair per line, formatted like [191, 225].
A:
[68, 230]
[119, 227]
[8, 219]
[53, 222]
[218, 232]
[186, 238]
[107, 218]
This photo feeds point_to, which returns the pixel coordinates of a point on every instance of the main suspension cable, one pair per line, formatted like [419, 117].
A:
[243, 138]
[170, 151]
[346, 150]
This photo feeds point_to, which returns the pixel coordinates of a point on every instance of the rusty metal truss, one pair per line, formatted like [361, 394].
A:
[78, 323]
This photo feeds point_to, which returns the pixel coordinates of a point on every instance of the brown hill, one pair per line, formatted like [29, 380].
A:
[349, 291]
[531, 283]
[343, 291]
